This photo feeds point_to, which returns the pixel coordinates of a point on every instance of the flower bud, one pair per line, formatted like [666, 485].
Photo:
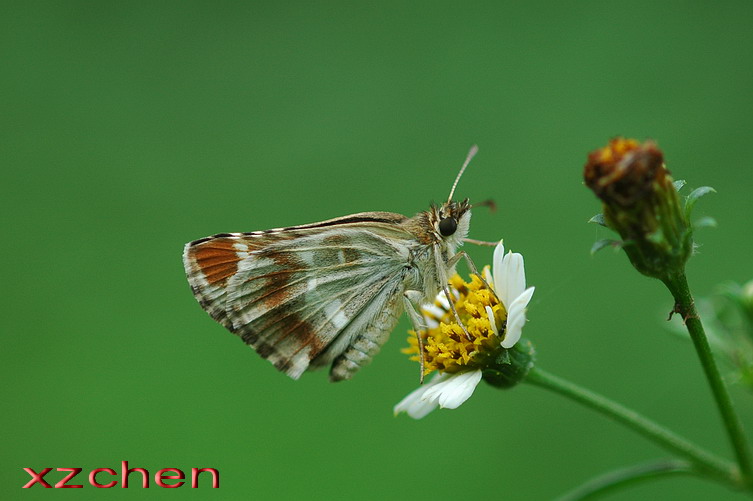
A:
[641, 203]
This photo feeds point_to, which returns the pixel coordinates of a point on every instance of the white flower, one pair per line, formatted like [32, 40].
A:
[448, 391]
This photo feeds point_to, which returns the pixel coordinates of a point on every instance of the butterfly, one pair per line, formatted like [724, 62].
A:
[330, 293]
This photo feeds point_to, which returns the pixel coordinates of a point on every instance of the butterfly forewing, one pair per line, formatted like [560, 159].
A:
[306, 296]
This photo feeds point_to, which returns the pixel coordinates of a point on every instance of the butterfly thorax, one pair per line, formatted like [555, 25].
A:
[439, 230]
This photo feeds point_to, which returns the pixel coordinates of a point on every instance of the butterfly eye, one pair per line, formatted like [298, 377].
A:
[447, 226]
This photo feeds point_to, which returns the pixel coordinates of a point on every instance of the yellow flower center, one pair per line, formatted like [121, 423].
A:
[446, 346]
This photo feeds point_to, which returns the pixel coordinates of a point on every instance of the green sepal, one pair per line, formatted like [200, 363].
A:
[606, 242]
[678, 184]
[511, 366]
[694, 196]
[599, 219]
[503, 358]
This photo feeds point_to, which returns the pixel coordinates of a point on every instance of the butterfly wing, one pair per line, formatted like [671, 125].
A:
[301, 296]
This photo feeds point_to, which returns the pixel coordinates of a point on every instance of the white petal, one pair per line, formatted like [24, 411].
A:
[492, 320]
[431, 323]
[430, 312]
[509, 277]
[516, 318]
[434, 310]
[442, 298]
[454, 390]
[488, 276]
[414, 404]
[499, 253]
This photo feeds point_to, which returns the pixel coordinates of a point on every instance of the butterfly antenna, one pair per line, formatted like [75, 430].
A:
[471, 153]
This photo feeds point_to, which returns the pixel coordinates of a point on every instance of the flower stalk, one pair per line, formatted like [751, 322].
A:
[706, 462]
[685, 306]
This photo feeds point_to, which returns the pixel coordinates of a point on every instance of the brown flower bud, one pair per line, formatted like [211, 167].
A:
[623, 173]
[641, 203]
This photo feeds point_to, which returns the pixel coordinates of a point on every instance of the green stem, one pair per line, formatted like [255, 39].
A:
[685, 306]
[705, 461]
[625, 477]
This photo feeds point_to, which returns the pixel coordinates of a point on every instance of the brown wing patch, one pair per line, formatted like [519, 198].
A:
[216, 259]
[209, 264]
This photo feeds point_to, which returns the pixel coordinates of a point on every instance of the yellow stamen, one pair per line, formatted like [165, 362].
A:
[446, 347]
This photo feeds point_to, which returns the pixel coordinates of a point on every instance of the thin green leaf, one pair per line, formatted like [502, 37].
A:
[693, 198]
[705, 222]
[600, 244]
[679, 184]
[598, 219]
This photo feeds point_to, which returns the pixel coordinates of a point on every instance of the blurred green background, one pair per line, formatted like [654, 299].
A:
[129, 129]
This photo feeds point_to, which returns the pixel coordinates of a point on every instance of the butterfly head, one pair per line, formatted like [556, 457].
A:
[450, 222]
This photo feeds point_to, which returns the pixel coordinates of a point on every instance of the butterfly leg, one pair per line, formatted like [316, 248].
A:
[450, 299]
[480, 242]
[409, 298]
[442, 268]
[471, 266]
